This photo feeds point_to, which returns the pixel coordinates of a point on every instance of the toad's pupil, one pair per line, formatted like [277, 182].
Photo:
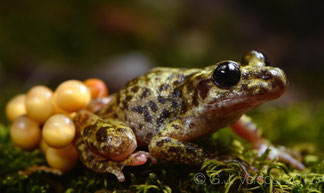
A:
[227, 74]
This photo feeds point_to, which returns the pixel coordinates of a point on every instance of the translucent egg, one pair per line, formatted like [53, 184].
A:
[58, 131]
[39, 104]
[71, 96]
[63, 159]
[97, 88]
[16, 107]
[25, 132]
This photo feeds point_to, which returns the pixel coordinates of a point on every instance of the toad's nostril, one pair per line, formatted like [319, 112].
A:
[265, 74]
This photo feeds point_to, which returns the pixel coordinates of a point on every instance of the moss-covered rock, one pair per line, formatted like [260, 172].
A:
[298, 126]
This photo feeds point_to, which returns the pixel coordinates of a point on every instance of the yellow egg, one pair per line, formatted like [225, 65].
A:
[63, 159]
[43, 146]
[97, 88]
[61, 111]
[25, 132]
[71, 96]
[58, 131]
[39, 104]
[16, 107]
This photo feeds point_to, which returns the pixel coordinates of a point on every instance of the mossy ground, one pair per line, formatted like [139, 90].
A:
[299, 126]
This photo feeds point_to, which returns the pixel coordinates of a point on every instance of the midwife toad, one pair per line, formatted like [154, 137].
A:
[167, 107]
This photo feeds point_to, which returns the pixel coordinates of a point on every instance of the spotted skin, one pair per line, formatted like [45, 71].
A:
[166, 107]
[110, 138]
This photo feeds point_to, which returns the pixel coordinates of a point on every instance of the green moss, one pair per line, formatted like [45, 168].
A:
[298, 126]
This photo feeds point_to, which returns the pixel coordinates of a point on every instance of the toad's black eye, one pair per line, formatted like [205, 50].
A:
[226, 74]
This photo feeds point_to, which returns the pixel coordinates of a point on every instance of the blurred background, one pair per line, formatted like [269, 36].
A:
[47, 42]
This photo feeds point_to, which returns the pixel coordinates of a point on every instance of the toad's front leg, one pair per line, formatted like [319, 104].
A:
[106, 145]
[168, 145]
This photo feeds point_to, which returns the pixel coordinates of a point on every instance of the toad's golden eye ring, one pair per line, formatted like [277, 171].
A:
[226, 74]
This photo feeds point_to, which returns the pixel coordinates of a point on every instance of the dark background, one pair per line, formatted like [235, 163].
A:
[47, 42]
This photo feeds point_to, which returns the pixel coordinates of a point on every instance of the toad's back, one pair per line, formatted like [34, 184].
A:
[147, 103]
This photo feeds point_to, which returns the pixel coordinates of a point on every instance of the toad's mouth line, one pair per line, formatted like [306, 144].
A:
[247, 101]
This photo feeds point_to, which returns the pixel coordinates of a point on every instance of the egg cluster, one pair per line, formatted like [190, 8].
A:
[43, 118]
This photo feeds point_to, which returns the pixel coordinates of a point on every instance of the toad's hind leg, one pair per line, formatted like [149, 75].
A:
[97, 162]
[106, 145]
[101, 164]
[248, 130]
[110, 138]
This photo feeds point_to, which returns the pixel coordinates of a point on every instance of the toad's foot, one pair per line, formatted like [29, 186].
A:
[97, 104]
[283, 154]
[248, 130]
[101, 164]
[138, 158]
[247, 170]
